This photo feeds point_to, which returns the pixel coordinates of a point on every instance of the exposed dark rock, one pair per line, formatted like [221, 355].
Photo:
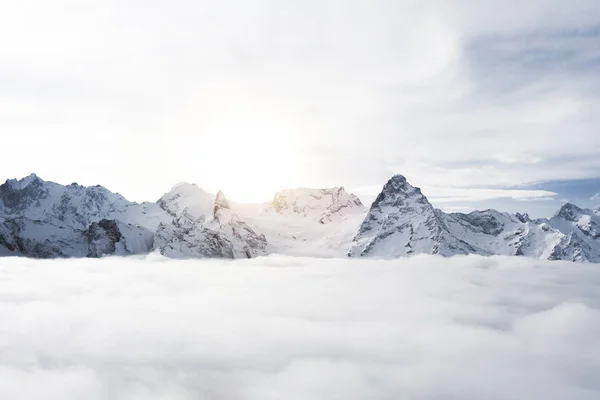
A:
[102, 238]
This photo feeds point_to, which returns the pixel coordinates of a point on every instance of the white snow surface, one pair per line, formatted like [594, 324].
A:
[306, 222]
[425, 327]
[186, 199]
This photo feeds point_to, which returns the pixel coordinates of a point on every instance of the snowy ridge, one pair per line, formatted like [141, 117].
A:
[44, 220]
[401, 222]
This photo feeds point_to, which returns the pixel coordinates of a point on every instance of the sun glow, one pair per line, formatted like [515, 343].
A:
[241, 143]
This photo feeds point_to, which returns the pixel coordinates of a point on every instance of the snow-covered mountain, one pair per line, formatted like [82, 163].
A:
[401, 222]
[204, 225]
[44, 219]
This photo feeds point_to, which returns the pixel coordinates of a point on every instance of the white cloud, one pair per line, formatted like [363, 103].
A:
[445, 195]
[595, 197]
[295, 328]
[280, 94]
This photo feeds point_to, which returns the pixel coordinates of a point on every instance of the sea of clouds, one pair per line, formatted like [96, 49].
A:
[299, 328]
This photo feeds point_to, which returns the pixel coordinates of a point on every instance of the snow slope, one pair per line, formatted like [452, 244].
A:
[308, 222]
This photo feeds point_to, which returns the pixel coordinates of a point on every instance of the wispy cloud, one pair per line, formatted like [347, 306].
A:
[443, 195]
[300, 94]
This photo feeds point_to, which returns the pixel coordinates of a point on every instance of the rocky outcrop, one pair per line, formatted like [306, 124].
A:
[103, 237]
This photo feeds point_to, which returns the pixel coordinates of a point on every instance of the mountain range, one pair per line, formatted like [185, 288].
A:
[43, 219]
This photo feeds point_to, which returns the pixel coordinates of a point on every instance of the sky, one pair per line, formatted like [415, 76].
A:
[481, 104]
[272, 328]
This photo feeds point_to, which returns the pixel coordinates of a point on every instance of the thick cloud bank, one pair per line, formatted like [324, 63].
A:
[290, 328]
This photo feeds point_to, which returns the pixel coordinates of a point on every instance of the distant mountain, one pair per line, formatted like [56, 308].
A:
[401, 222]
[45, 220]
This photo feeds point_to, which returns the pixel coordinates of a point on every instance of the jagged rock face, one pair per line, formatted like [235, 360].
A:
[586, 221]
[492, 232]
[569, 212]
[193, 233]
[245, 242]
[25, 237]
[487, 222]
[17, 196]
[524, 218]
[173, 241]
[581, 234]
[400, 222]
[572, 248]
[103, 237]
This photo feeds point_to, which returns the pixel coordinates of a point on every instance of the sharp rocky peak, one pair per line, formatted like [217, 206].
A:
[568, 211]
[396, 191]
[19, 193]
[524, 218]
[220, 203]
[20, 184]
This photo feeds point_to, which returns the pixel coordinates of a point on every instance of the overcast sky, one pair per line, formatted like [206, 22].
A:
[479, 103]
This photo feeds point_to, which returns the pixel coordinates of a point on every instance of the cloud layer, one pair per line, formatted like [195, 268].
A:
[294, 328]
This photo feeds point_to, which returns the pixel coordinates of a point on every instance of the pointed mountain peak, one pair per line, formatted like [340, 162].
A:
[22, 183]
[399, 178]
[398, 183]
[568, 211]
[31, 177]
[187, 199]
[400, 222]
[396, 191]
[220, 203]
[221, 200]
[523, 217]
